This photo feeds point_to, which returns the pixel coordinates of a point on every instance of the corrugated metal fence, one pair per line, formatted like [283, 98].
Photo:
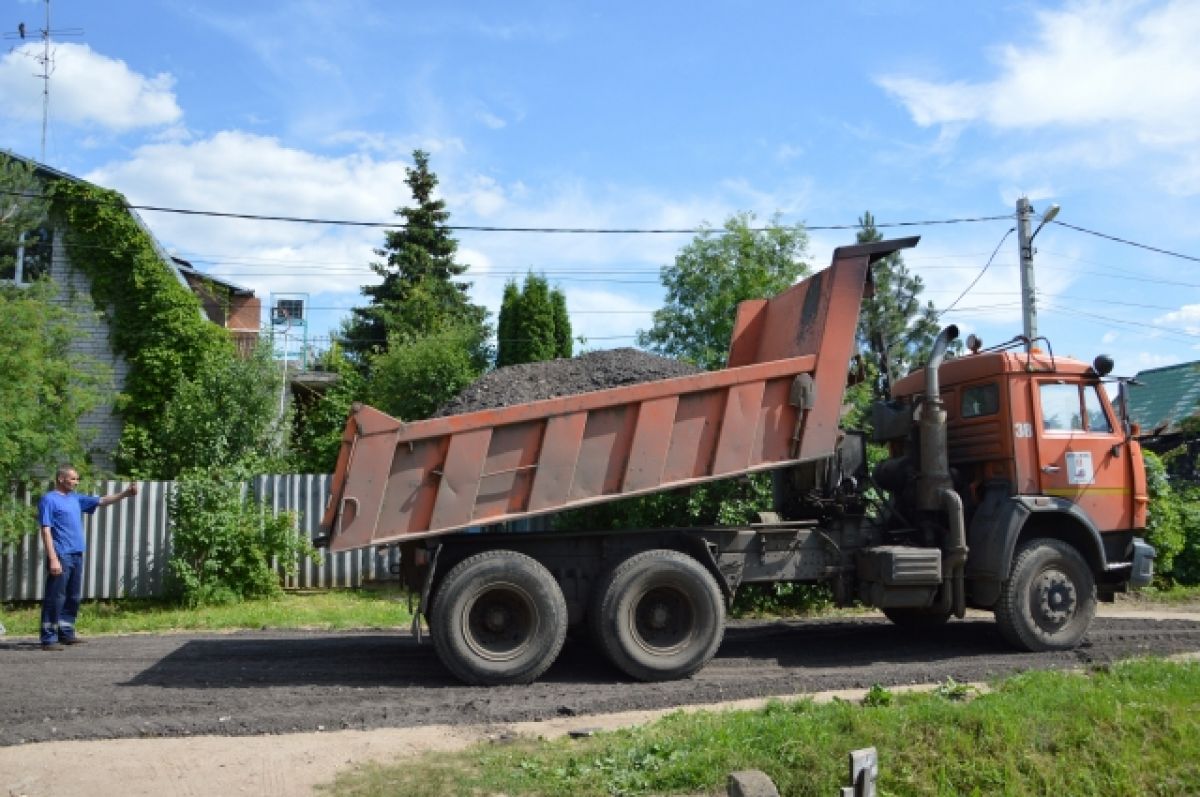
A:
[129, 544]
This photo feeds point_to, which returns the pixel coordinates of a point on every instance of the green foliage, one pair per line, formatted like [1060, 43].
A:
[223, 545]
[895, 331]
[952, 690]
[711, 275]
[563, 342]
[1168, 508]
[419, 294]
[506, 325]
[155, 322]
[878, 696]
[224, 414]
[45, 391]
[725, 502]
[780, 599]
[1174, 524]
[411, 381]
[320, 418]
[22, 221]
[533, 323]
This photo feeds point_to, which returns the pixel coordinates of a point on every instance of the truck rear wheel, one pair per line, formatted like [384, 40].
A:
[1049, 599]
[659, 615]
[499, 617]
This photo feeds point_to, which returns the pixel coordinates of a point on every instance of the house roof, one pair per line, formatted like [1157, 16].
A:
[188, 270]
[50, 172]
[1165, 397]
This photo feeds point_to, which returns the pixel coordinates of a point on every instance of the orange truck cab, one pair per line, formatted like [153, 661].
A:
[1048, 474]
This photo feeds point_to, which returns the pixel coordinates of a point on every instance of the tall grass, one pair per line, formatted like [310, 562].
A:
[1131, 729]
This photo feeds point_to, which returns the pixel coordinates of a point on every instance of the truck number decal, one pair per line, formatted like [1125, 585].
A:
[1021, 430]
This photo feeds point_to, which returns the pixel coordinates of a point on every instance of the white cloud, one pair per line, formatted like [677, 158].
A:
[243, 173]
[236, 172]
[1097, 68]
[87, 89]
[1186, 319]
[491, 120]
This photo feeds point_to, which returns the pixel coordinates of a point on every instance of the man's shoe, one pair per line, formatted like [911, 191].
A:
[51, 646]
[73, 641]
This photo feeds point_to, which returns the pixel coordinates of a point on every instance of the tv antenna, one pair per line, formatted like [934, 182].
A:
[45, 60]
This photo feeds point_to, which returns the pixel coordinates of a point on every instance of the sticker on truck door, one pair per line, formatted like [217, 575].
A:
[1079, 467]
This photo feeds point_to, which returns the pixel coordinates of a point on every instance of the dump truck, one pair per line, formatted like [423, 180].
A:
[1010, 484]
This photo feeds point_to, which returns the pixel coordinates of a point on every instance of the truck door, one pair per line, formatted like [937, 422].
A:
[1081, 455]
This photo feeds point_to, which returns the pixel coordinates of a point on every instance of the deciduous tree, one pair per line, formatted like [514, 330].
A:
[711, 275]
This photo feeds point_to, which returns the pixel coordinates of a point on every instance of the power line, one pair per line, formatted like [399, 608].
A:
[541, 230]
[548, 230]
[1180, 334]
[1127, 242]
[978, 276]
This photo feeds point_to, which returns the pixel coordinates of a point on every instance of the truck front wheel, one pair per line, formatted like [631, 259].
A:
[498, 617]
[1049, 599]
[659, 616]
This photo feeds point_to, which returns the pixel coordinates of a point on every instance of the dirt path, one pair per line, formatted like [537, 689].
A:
[277, 713]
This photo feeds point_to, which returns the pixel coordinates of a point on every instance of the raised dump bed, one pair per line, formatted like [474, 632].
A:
[776, 403]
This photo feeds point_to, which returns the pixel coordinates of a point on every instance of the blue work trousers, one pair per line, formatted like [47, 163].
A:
[60, 606]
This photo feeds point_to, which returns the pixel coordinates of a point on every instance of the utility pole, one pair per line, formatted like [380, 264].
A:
[1028, 291]
[1025, 242]
[46, 62]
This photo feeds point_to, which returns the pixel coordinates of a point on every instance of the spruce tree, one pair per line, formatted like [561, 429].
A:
[895, 331]
[422, 292]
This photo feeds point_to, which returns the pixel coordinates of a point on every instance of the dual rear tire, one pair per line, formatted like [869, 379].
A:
[499, 617]
[659, 615]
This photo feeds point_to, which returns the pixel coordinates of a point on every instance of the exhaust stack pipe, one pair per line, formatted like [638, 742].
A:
[935, 462]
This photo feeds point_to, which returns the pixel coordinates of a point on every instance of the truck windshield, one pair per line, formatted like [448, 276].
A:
[1065, 408]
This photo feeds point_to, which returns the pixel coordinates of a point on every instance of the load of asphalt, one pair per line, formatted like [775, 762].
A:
[595, 370]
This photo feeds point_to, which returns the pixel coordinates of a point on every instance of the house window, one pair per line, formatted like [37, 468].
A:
[288, 310]
[27, 259]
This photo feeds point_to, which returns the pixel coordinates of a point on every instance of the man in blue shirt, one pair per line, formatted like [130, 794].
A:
[60, 515]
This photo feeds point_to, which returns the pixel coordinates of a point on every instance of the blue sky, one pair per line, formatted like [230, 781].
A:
[650, 115]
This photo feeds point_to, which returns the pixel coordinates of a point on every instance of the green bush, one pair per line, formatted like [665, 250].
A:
[1164, 527]
[224, 546]
[413, 378]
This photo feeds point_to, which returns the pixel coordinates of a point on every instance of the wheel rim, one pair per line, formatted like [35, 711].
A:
[663, 619]
[499, 622]
[1055, 599]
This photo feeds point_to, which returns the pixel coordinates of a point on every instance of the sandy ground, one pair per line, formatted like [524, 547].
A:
[296, 764]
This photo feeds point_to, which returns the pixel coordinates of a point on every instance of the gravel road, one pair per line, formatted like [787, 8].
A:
[276, 682]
